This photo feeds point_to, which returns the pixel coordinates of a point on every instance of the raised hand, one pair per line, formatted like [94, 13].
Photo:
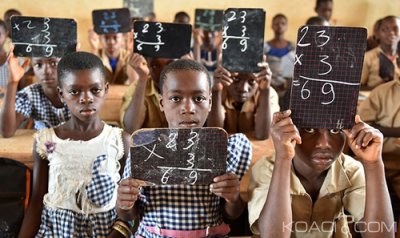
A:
[15, 71]
[139, 64]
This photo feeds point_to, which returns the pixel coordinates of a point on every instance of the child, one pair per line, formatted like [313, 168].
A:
[192, 211]
[207, 47]
[77, 164]
[304, 190]
[182, 17]
[243, 102]
[113, 55]
[39, 101]
[140, 108]
[381, 110]
[3, 58]
[380, 63]
[280, 56]
[323, 8]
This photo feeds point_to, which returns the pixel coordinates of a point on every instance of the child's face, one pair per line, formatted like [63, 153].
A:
[45, 70]
[279, 25]
[156, 65]
[388, 32]
[320, 147]
[112, 44]
[84, 91]
[325, 9]
[186, 99]
[244, 86]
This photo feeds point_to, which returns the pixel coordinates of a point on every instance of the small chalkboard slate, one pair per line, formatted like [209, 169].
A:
[208, 19]
[164, 40]
[139, 8]
[179, 156]
[243, 39]
[109, 21]
[42, 36]
[327, 74]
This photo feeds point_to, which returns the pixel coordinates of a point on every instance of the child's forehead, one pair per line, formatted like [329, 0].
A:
[45, 59]
[179, 77]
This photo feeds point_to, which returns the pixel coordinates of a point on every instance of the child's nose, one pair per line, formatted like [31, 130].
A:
[323, 139]
[187, 107]
[86, 97]
[243, 86]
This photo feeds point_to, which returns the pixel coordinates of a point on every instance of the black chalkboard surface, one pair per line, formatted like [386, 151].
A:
[179, 156]
[164, 40]
[139, 8]
[243, 39]
[109, 21]
[43, 36]
[327, 75]
[208, 19]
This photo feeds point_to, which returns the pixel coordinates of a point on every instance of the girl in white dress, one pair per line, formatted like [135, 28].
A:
[77, 165]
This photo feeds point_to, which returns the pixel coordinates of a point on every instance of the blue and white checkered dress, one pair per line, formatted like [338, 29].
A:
[31, 102]
[185, 207]
[83, 177]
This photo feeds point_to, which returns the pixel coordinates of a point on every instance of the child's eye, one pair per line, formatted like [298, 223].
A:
[53, 64]
[252, 82]
[96, 90]
[199, 99]
[335, 131]
[73, 92]
[174, 98]
[309, 130]
[38, 65]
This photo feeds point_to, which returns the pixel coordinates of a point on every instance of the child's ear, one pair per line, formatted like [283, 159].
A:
[160, 103]
[60, 93]
[106, 86]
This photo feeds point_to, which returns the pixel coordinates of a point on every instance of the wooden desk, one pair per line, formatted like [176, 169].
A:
[112, 104]
[18, 147]
[260, 148]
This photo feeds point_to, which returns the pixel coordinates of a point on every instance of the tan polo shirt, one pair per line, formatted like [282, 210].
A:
[370, 71]
[243, 121]
[152, 117]
[383, 107]
[119, 76]
[343, 188]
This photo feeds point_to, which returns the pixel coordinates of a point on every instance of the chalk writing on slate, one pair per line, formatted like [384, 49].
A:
[179, 156]
[165, 40]
[208, 19]
[109, 21]
[43, 36]
[243, 39]
[139, 8]
[327, 74]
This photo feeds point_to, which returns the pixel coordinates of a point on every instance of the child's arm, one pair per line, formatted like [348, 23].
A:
[276, 216]
[136, 107]
[262, 120]
[31, 222]
[198, 36]
[222, 78]
[10, 120]
[366, 142]
[94, 42]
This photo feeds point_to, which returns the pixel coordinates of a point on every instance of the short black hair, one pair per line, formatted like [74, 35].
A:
[315, 21]
[180, 65]
[181, 14]
[387, 18]
[79, 61]
[318, 3]
[279, 15]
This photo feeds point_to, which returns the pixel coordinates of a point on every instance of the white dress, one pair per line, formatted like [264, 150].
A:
[82, 184]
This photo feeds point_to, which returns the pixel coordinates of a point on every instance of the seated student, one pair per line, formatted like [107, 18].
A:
[305, 188]
[113, 55]
[381, 110]
[192, 211]
[380, 63]
[77, 164]
[243, 102]
[182, 17]
[7, 19]
[280, 56]
[317, 21]
[207, 47]
[324, 8]
[39, 101]
[140, 108]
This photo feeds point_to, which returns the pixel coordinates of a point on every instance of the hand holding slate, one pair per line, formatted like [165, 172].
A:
[139, 64]
[128, 193]
[15, 70]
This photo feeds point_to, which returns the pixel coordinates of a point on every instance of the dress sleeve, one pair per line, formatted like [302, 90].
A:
[23, 104]
[239, 154]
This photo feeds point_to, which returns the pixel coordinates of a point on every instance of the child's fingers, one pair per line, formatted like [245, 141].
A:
[278, 116]
[26, 63]
[227, 176]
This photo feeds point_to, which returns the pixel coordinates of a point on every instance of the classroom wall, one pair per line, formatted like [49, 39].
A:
[345, 12]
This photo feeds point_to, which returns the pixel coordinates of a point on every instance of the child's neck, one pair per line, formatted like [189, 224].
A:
[76, 129]
[389, 50]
